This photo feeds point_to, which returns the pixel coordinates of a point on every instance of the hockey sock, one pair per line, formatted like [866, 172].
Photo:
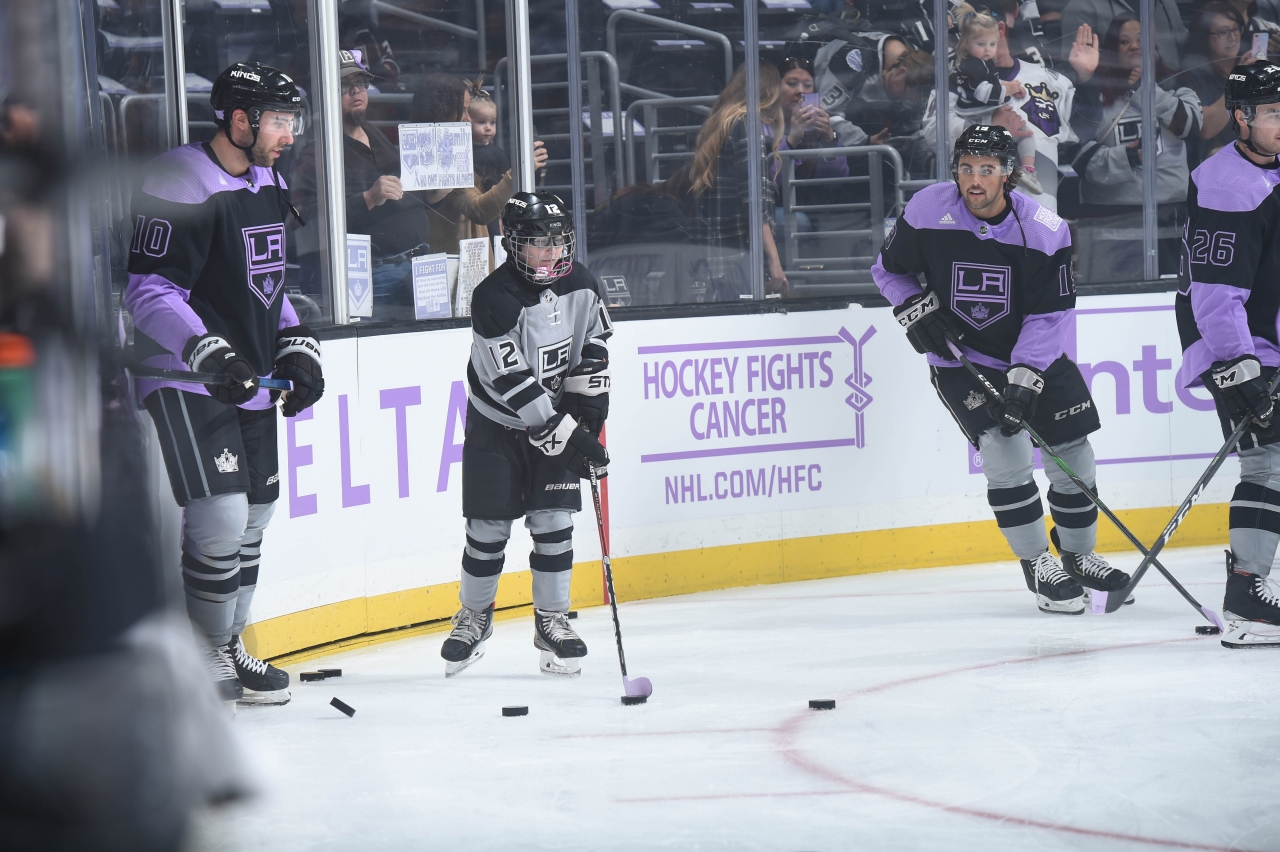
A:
[1020, 516]
[1255, 527]
[212, 585]
[482, 563]
[1074, 514]
[552, 564]
[250, 557]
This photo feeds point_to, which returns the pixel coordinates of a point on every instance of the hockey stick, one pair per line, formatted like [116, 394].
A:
[637, 689]
[1196, 491]
[204, 378]
[1116, 600]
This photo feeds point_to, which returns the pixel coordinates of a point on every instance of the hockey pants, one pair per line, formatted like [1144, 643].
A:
[1015, 497]
[221, 550]
[551, 560]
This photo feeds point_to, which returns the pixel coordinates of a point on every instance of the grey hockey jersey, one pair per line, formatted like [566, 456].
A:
[525, 342]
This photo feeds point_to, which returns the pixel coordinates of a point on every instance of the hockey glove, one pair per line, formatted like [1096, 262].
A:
[212, 354]
[298, 360]
[564, 439]
[927, 325]
[586, 394]
[1020, 396]
[1242, 388]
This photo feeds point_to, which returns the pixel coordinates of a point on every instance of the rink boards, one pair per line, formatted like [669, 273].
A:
[745, 450]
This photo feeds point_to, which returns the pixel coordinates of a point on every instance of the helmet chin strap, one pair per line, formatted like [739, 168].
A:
[253, 126]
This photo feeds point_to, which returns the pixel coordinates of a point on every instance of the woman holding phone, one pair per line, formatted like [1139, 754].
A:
[808, 126]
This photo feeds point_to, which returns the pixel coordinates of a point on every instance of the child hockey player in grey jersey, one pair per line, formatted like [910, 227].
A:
[1227, 313]
[997, 270]
[538, 396]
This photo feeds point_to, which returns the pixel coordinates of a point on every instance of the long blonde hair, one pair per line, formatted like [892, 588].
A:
[970, 22]
[729, 108]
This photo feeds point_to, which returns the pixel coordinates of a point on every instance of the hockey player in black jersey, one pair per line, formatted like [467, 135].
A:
[1228, 307]
[538, 395]
[206, 290]
[997, 270]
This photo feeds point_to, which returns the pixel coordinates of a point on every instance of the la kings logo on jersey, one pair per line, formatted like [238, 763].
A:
[264, 256]
[980, 293]
[553, 363]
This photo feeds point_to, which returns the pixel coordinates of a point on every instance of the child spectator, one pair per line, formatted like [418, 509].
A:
[977, 82]
[491, 161]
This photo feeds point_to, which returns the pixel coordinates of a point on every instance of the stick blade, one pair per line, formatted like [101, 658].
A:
[1115, 600]
[637, 687]
[1214, 619]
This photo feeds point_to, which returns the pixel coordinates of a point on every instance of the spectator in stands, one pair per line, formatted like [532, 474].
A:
[491, 161]
[397, 225]
[896, 105]
[1099, 15]
[719, 189]
[808, 126]
[1213, 49]
[461, 213]
[1108, 120]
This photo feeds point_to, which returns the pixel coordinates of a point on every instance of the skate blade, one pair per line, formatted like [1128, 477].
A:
[550, 664]
[451, 669]
[1248, 634]
[265, 699]
[1074, 606]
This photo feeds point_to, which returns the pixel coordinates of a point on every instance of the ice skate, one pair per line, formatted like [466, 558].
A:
[217, 662]
[1093, 572]
[1251, 609]
[561, 648]
[262, 682]
[1029, 181]
[465, 644]
[1056, 591]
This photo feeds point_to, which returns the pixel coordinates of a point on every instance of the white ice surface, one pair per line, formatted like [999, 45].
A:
[965, 719]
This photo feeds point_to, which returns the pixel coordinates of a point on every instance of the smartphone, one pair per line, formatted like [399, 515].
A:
[1260, 46]
[812, 99]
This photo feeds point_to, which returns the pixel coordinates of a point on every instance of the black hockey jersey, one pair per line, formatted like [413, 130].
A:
[1007, 280]
[208, 256]
[526, 341]
[1228, 300]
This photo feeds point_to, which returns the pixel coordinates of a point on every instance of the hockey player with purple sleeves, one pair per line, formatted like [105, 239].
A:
[1228, 308]
[997, 271]
[206, 291]
[537, 398]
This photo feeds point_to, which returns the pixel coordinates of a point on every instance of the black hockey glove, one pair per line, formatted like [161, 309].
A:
[298, 360]
[927, 325]
[586, 394]
[1242, 388]
[212, 354]
[563, 438]
[1020, 396]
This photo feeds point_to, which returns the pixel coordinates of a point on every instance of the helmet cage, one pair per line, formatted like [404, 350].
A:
[517, 245]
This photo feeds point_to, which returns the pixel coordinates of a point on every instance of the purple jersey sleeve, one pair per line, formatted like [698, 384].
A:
[288, 316]
[160, 310]
[1220, 316]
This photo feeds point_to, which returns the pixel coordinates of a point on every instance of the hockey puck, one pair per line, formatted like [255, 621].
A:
[345, 708]
[634, 699]
[573, 613]
[330, 672]
[822, 704]
[310, 677]
[1207, 630]
[515, 711]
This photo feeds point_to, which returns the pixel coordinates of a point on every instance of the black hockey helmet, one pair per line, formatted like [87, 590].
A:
[537, 220]
[984, 140]
[254, 88]
[1248, 87]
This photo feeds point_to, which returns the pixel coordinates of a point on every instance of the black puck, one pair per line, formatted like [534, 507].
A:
[573, 613]
[515, 711]
[345, 708]
[822, 704]
[330, 672]
[1207, 630]
[308, 677]
[634, 699]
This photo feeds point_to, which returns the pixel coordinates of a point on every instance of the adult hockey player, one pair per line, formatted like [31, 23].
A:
[538, 396]
[1227, 315]
[206, 290]
[997, 269]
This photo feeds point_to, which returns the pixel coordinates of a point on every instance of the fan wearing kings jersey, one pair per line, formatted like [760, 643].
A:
[206, 291]
[538, 395]
[1228, 307]
[997, 271]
